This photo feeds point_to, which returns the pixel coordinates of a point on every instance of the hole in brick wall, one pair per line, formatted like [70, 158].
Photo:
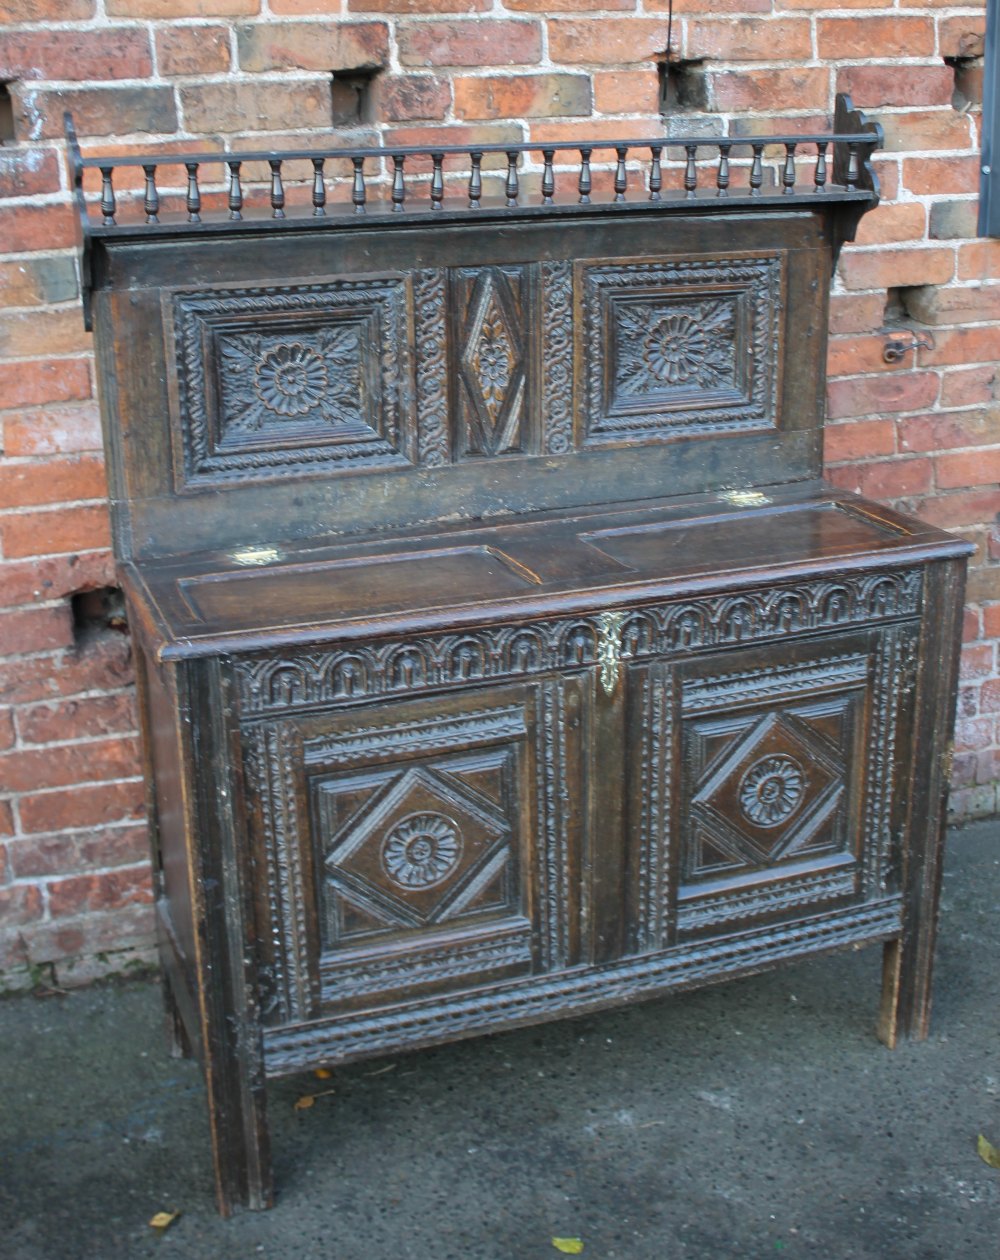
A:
[968, 72]
[6, 115]
[914, 304]
[352, 101]
[97, 611]
[683, 86]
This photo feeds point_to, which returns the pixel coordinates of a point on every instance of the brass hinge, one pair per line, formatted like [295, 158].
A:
[609, 648]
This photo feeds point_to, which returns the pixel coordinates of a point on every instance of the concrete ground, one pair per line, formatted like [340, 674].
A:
[756, 1119]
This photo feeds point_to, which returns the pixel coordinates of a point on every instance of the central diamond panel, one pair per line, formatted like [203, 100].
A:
[412, 848]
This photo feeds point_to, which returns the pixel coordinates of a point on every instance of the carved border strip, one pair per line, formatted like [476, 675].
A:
[657, 700]
[370, 741]
[706, 693]
[665, 630]
[557, 355]
[709, 912]
[523, 1001]
[431, 340]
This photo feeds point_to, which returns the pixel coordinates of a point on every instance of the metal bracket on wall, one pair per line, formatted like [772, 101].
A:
[896, 348]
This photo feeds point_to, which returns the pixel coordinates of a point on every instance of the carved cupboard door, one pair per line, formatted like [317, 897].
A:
[415, 847]
[764, 783]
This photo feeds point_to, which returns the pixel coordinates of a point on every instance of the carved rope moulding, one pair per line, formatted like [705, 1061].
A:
[397, 666]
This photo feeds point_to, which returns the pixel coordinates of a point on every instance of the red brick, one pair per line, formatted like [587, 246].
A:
[48, 533]
[54, 481]
[859, 440]
[97, 111]
[192, 49]
[962, 36]
[979, 260]
[35, 630]
[938, 175]
[884, 37]
[890, 268]
[970, 468]
[25, 172]
[607, 130]
[109, 53]
[210, 107]
[963, 345]
[423, 6]
[928, 129]
[24, 228]
[82, 806]
[849, 356]
[906, 221]
[12, 11]
[103, 664]
[969, 507]
[885, 479]
[60, 430]
[966, 387]
[321, 46]
[413, 97]
[523, 96]
[942, 431]
[6, 819]
[471, 42]
[37, 581]
[989, 702]
[6, 729]
[20, 904]
[856, 312]
[76, 719]
[59, 331]
[107, 891]
[750, 39]
[866, 396]
[38, 281]
[182, 8]
[991, 621]
[759, 89]
[625, 41]
[27, 770]
[977, 660]
[983, 584]
[45, 381]
[33, 858]
[887, 173]
[966, 305]
[874, 86]
[626, 91]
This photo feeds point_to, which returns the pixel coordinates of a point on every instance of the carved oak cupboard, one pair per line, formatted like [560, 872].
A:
[502, 654]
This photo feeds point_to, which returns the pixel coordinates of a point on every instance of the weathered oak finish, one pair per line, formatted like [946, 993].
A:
[501, 654]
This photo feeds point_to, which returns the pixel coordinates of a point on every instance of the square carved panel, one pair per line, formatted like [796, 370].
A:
[679, 346]
[279, 381]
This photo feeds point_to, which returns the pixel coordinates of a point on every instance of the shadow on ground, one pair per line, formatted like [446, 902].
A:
[756, 1119]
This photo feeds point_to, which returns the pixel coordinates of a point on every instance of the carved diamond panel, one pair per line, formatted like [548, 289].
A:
[681, 345]
[279, 381]
[493, 387]
[404, 849]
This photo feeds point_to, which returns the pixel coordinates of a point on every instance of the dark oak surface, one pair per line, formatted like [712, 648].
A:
[502, 655]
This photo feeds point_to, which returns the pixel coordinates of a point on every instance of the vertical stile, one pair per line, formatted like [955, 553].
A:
[690, 170]
[548, 177]
[475, 179]
[511, 187]
[359, 193]
[621, 176]
[235, 191]
[819, 179]
[398, 186]
[722, 177]
[107, 196]
[584, 184]
[319, 188]
[655, 172]
[437, 181]
[151, 200]
[757, 170]
[193, 200]
[853, 169]
[277, 189]
[788, 173]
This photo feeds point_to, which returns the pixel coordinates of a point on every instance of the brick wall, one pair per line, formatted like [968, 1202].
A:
[176, 75]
